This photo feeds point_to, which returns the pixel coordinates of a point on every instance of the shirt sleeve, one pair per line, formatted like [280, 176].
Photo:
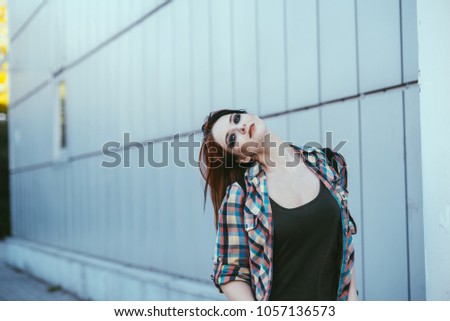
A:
[350, 259]
[231, 254]
[343, 179]
[351, 228]
[342, 169]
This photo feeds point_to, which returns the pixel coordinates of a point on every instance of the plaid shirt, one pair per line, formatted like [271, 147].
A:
[244, 242]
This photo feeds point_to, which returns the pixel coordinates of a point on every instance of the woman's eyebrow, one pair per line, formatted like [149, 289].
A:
[226, 136]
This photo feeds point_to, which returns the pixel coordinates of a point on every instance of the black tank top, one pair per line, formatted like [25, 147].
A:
[306, 252]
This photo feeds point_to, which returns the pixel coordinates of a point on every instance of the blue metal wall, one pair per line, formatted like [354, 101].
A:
[154, 68]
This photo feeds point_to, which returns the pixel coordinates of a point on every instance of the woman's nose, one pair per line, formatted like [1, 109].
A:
[243, 128]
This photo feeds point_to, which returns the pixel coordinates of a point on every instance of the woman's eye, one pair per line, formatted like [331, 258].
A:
[232, 140]
[236, 118]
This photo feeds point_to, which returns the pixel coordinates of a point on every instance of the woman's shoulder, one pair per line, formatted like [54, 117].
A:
[235, 190]
[233, 200]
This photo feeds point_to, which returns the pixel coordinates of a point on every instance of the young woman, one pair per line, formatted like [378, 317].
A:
[284, 231]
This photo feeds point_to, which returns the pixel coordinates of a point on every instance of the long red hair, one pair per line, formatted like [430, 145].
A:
[218, 167]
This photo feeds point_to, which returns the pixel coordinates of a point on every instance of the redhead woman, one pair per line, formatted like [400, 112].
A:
[284, 231]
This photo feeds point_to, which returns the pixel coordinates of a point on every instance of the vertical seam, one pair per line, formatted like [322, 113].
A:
[258, 74]
[401, 42]
[233, 73]
[286, 89]
[211, 67]
[405, 154]
[408, 265]
[318, 53]
[358, 80]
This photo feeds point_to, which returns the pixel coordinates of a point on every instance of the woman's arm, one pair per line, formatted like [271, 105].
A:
[352, 294]
[238, 291]
[231, 273]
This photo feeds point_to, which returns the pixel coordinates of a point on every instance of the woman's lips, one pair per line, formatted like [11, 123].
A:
[250, 129]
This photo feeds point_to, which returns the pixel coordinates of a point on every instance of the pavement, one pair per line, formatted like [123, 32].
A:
[16, 285]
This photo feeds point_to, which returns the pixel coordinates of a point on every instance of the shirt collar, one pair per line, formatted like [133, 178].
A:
[253, 170]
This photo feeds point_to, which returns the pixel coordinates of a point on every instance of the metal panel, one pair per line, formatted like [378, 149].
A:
[11, 128]
[134, 10]
[409, 40]
[32, 140]
[86, 228]
[75, 108]
[183, 221]
[133, 214]
[14, 186]
[278, 126]
[378, 44]
[148, 5]
[338, 73]
[181, 88]
[113, 234]
[414, 193]
[55, 215]
[101, 112]
[165, 72]
[81, 23]
[69, 204]
[221, 59]
[21, 214]
[72, 31]
[30, 71]
[18, 14]
[90, 34]
[80, 175]
[106, 185]
[14, 121]
[302, 53]
[166, 210]
[134, 97]
[125, 216]
[43, 214]
[75, 205]
[201, 62]
[342, 123]
[102, 20]
[271, 50]
[383, 183]
[72, 104]
[245, 67]
[89, 114]
[112, 56]
[143, 194]
[304, 127]
[43, 140]
[202, 223]
[150, 115]
[123, 88]
[59, 193]
[156, 207]
[55, 32]
[96, 212]
[29, 214]
[37, 220]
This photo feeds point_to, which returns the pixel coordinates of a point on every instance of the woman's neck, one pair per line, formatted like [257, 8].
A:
[277, 154]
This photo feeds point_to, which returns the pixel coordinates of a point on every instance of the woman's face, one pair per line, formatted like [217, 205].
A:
[241, 134]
